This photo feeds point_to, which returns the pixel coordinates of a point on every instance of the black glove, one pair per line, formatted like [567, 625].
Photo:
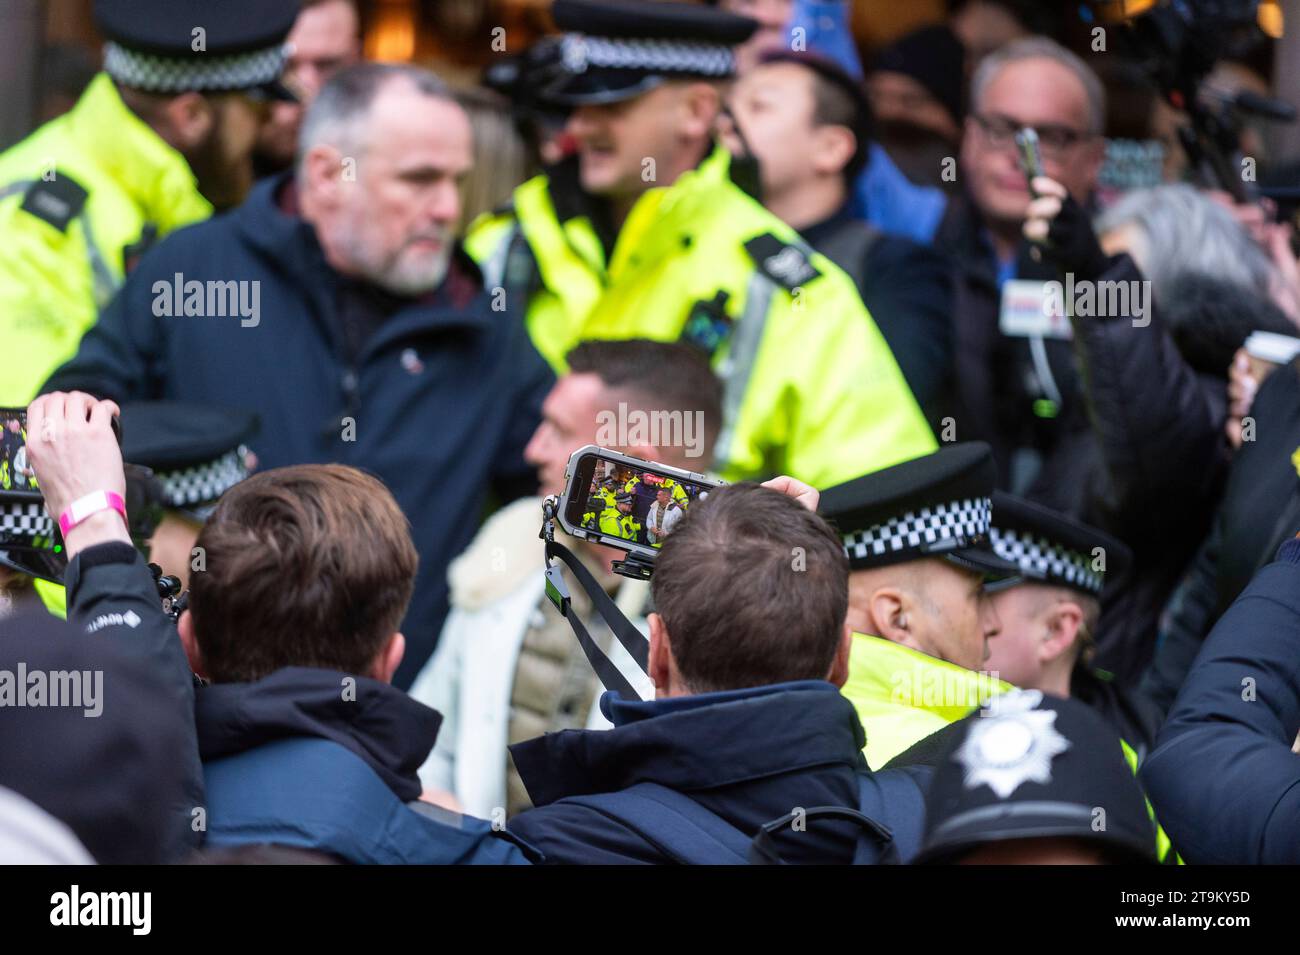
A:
[1072, 245]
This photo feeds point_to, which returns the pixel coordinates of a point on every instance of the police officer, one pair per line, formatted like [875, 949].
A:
[181, 458]
[1034, 779]
[1049, 619]
[618, 521]
[644, 233]
[157, 139]
[29, 552]
[917, 539]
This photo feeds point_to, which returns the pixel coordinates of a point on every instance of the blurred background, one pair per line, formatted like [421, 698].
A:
[49, 49]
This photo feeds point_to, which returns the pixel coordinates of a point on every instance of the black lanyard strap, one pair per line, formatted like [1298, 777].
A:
[632, 639]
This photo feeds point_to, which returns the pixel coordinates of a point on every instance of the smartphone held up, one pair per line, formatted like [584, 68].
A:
[625, 502]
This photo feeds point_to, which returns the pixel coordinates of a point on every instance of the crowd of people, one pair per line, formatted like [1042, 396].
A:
[1001, 395]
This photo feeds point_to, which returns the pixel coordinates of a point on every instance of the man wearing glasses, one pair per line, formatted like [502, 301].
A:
[1017, 385]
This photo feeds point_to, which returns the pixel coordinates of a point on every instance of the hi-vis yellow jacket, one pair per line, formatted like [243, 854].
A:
[76, 196]
[811, 388]
[903, 695]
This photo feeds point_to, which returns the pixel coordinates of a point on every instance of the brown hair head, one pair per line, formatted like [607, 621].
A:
[308, 566]
[752, 588]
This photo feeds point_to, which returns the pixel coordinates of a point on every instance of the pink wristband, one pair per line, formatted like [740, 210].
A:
[92, 503]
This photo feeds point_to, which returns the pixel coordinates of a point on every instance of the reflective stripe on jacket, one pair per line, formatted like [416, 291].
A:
[811, 388]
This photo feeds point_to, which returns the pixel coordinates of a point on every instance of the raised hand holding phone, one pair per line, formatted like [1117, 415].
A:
[73, 446]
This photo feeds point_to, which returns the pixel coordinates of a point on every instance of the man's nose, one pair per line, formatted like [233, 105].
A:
[444, 208]
[536, 445]
[992, 623]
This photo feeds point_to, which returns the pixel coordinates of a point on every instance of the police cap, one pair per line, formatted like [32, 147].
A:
[1051, 548]
[1028, 766]
[176, 46]
[197, 452]
[617, 50]
[937, 505]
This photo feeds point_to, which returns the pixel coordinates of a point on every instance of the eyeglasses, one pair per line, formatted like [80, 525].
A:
[1055, 140]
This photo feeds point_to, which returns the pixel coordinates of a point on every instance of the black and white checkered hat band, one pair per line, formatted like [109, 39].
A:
[26, 523]
[196, 487]
[691, 57]
[1040, 559]
[177, 74]
[939, 528]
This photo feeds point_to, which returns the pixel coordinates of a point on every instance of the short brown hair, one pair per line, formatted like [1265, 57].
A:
[753, 588]
[656, 376]
[309, 566]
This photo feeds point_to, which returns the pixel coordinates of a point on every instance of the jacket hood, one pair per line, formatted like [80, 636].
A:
[376, 721]
[696, 742]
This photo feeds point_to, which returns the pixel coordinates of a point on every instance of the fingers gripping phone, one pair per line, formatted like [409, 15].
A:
[625, 502]
[21, 489]
[16, 473]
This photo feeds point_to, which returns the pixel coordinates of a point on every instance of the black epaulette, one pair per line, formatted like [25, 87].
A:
[58, 200]
[506, 208]
[785, 264]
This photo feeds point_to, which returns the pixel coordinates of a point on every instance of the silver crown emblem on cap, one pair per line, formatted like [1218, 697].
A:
[1011, 743]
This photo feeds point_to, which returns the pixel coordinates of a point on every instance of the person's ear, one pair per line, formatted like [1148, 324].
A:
[1064, 621]
[389, 658]
[185, 627]
[187, 121]
[835, 146]
[839, 674]
[701, 103]
[661, 665]
[323, 172]
[889, 615]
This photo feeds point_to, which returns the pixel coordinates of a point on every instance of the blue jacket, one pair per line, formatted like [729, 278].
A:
[306, 758]
[441, 398]
[1223, 779]
[747, 756]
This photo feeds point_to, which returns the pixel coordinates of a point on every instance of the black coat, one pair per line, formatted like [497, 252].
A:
[1223, 778]
[750, 756]
[1136, 450]
[1157, 469]
[1259, 510]
[438, 401]
[997, 385]
[126, 781]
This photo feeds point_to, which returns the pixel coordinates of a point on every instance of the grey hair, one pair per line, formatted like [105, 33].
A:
[1181, 231]
[1042, 48]
[337, 116]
